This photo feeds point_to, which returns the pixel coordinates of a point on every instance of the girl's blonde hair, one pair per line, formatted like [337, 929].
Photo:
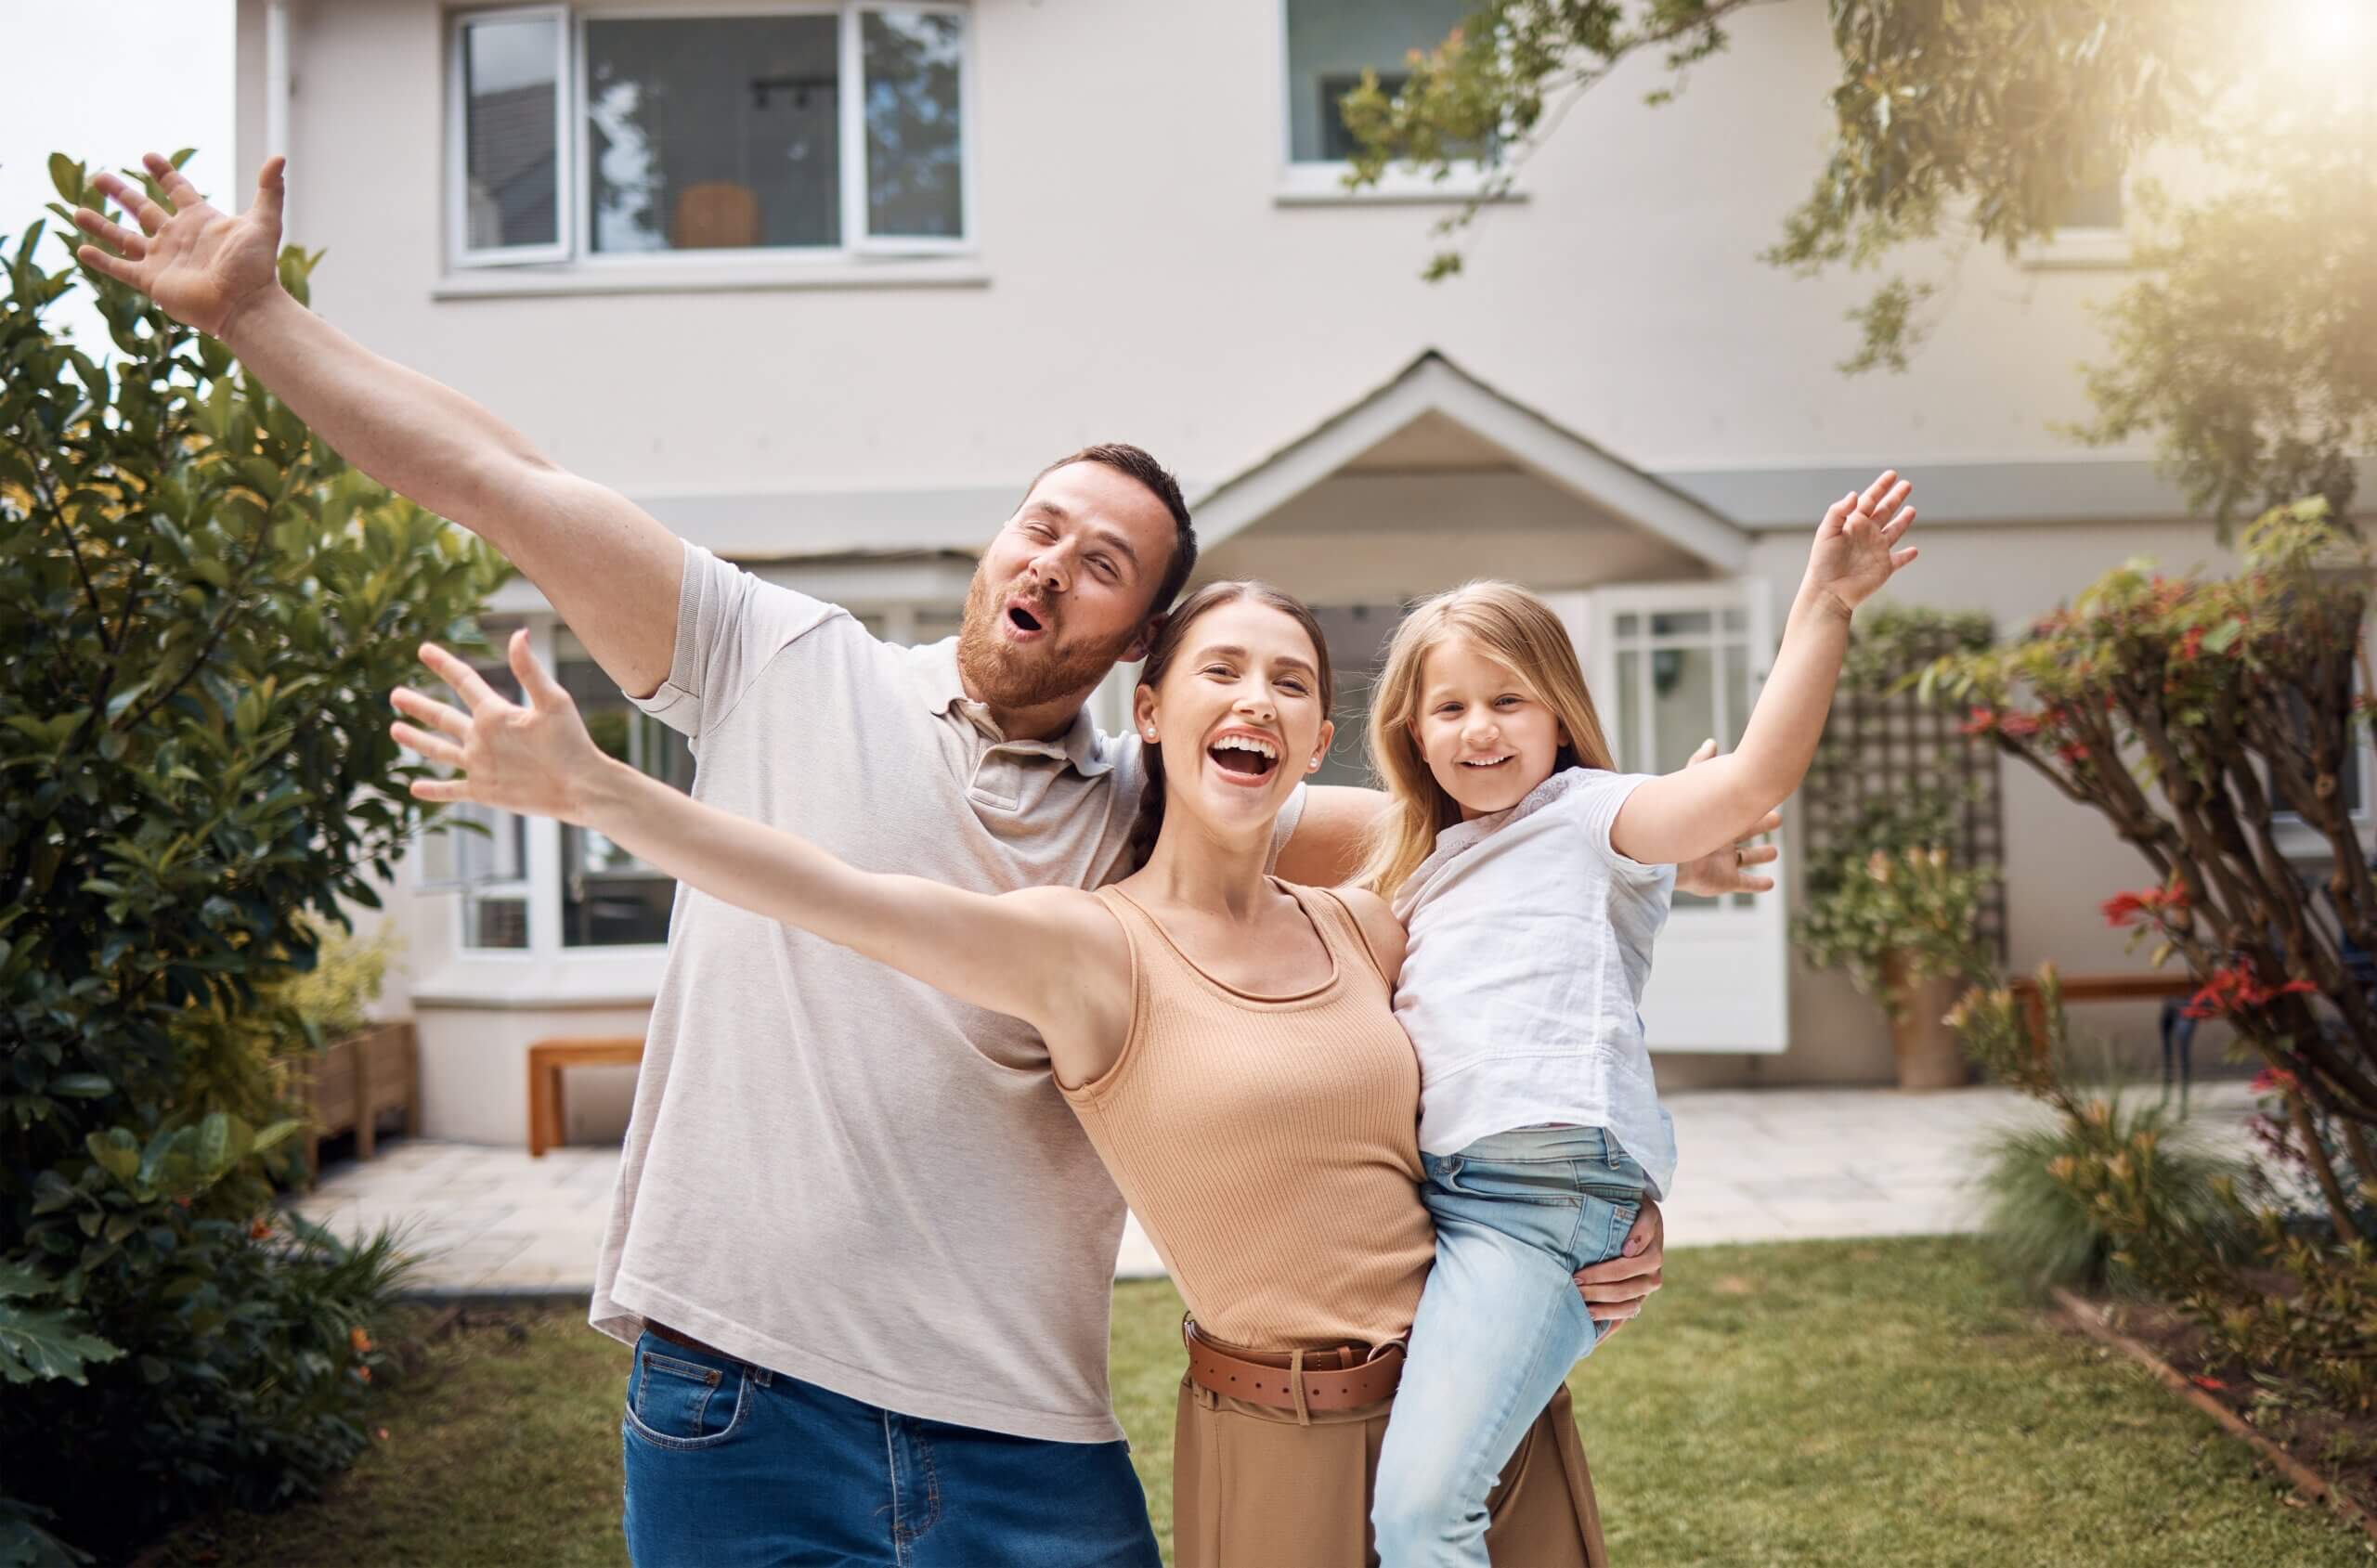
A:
[1510, 625]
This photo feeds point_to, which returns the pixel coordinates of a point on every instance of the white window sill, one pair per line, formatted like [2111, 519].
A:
[2307, 847]
[2080, 250]
[1323, 184]
[683, 278]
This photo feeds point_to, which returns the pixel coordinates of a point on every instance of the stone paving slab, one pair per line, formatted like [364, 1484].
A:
[1757, 1165]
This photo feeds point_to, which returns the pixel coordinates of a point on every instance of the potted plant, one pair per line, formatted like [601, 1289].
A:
[1898, 914]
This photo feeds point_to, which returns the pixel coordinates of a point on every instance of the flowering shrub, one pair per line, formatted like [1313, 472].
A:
[2195, 714]
[2117, 1193]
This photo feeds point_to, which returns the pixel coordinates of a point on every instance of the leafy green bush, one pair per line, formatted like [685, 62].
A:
[2048, 1190]
[206, 610]
[334, 997]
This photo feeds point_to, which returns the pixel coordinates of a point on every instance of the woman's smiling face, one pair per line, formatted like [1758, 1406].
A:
[1485, 734]
[1239, 716]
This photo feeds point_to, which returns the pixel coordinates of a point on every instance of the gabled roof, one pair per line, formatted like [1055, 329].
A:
[1434, 384]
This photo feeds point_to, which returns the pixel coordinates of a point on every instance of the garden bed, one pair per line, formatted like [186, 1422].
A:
[2326, 1455]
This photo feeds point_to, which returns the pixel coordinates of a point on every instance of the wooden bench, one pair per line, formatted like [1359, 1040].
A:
[2165, 989]
[546, 1060]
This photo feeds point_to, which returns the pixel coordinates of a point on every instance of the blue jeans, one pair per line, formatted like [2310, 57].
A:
[728, 1464]
[1499, 1326]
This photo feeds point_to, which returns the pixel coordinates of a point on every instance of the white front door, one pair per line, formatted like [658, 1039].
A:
[1671, 665]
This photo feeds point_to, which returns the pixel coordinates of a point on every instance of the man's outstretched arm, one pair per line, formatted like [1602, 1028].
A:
[610, 568]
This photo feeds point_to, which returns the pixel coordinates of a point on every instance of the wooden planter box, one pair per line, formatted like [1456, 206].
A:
[359, 1080]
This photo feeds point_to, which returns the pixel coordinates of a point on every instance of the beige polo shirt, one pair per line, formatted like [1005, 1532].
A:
[834, 1171]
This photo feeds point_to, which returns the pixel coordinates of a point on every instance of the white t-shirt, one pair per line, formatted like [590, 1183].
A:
[834, 1171]
[1530, 938]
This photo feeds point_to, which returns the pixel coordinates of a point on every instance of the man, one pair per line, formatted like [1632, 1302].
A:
[862, 1247]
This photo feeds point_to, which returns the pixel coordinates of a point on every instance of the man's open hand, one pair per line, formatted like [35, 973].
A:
[204, 267]
[1728, 870]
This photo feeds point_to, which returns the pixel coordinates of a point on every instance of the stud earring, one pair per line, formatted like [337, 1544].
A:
[1312, 766]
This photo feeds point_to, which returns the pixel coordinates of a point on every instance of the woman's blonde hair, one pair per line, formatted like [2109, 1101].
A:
[1510, 625]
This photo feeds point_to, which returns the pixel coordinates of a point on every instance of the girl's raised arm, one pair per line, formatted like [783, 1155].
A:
[1048, 955]
[1684, 815]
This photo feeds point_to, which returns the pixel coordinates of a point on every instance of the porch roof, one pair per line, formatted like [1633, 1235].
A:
[1432, 390]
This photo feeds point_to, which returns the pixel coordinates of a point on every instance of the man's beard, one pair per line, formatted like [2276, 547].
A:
[1003, 675]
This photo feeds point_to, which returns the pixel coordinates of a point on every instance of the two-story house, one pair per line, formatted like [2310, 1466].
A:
[822, 283]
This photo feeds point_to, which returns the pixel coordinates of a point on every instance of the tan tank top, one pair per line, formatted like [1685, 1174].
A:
[1269, 1145]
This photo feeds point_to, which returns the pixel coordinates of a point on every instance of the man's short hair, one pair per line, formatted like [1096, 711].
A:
[1124, 457]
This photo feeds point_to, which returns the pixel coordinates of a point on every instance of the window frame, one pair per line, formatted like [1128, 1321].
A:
[1322, 182]
[2305, 847]
[575, 252]
[459, 252]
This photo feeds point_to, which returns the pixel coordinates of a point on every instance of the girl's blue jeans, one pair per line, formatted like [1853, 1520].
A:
[1499, 1326]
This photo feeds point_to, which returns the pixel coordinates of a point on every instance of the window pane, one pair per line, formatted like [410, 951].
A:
[1684, 705]
[495, 923]
[510, 76]
[1680, 623]
[609, 898]
[489, 862]
[1330, 43]
[2095, 201]
[937, 626]
[1356, 635]
[913, 147]
[714, 132]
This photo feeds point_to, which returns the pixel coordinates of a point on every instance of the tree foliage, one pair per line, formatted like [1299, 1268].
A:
[205, 610]
[2249, 342]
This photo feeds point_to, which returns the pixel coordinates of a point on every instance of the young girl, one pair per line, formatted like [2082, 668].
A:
[1532, 878]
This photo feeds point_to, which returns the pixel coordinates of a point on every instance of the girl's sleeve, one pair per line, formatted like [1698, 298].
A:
[1594, 805]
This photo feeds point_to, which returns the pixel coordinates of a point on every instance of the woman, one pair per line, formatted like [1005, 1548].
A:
[1228, 1041]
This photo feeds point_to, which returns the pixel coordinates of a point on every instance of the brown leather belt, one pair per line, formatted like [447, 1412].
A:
[1302, 1380]
[662, 1330]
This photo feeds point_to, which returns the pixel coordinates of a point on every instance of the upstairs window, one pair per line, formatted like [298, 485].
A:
[584, 135]
[1330, 43]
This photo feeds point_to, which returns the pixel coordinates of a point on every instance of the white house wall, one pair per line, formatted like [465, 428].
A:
[1141, 273]
[1141, 279]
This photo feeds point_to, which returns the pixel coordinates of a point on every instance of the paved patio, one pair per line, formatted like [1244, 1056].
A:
[1758, 1165]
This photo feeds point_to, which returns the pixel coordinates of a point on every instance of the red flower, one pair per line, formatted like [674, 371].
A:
[2272, 1081]
[2020, 724]
[2073, 753]
[1981, 723]
[2155, 903]
[2237, 990]
[2191, 645]
[2215, 1384]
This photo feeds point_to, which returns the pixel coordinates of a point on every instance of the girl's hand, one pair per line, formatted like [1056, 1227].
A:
[1854, 552]
[536, 758]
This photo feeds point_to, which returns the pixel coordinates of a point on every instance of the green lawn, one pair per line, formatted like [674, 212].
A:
[1843, 1404]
